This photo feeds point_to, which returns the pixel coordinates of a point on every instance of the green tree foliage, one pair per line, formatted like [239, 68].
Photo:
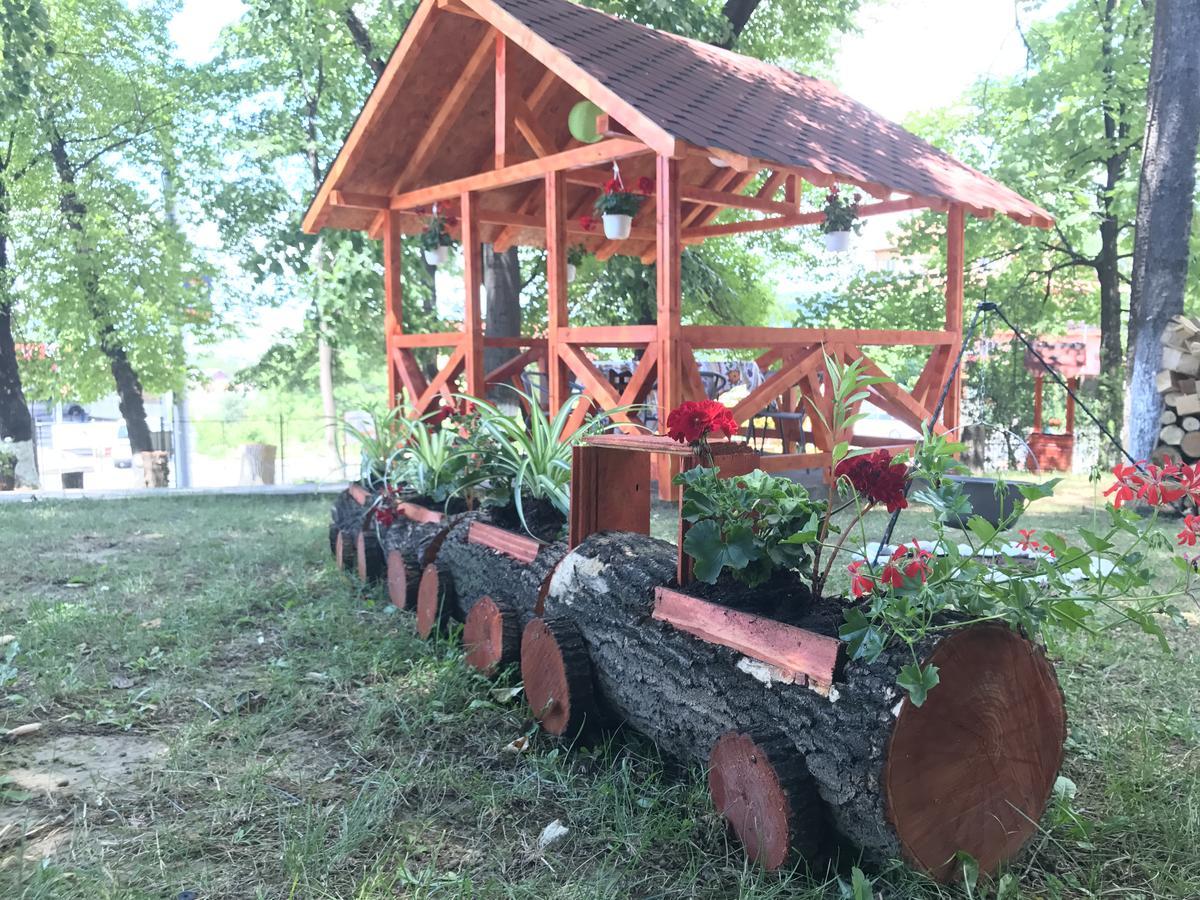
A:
[1067, 133]
[103, 272]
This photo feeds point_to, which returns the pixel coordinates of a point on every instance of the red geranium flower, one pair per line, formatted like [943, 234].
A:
[1027, 542]
[613, 186]
[860, 585]
[588, 223]
[1156, 485]
[645, 185]
[691, 422]
[1190, 532]
[876, 478]
[439, 415]
[907, 564]
[385, 516]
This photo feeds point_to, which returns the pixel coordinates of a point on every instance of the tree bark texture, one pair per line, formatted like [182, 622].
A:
[685, 693]
[1165, 208]
[416, 542]
[125, 377]
[473, 571]
[502, 282]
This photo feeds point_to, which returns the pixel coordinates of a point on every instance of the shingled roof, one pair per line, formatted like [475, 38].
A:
[669, 91]
[712, 97]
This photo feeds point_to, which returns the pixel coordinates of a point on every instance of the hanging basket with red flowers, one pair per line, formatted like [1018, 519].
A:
[617, 206]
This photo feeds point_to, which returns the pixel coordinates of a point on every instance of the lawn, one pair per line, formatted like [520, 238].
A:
[224, 714]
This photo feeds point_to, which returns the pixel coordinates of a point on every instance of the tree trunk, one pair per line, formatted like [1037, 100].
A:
[502, 281]
[15, 421]
[1165, 208]
[128, 385]
[738, 12]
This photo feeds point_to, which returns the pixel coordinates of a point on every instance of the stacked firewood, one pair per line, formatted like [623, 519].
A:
[1179, 383]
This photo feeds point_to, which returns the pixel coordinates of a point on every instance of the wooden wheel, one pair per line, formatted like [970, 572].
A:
[972, 768]
[491, 635]
[762, 788]
[368, 556]
[432, 602]
[557, 675]
[397, 579]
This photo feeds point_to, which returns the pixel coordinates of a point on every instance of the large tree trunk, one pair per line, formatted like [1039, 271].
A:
[15, 421]
[502, 281]
[1165, 208]
[128, 385]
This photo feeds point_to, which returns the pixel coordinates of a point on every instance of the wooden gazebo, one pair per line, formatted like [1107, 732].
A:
[471, 113]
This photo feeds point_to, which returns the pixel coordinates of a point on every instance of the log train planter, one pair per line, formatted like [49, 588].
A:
[804, 748]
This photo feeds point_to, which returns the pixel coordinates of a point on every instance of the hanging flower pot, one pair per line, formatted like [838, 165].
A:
[570, 273]
[837, 241]
[618, 206]
[436, 241]
[617, 226]
[841, 220]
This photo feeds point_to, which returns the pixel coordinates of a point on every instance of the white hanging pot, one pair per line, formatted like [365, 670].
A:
[438, 257]
[617, 227]
[837, 241]
[570, 273]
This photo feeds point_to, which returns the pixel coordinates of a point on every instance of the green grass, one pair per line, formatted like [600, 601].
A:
[315, 748]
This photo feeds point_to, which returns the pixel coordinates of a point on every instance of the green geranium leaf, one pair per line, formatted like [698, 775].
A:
[1033, 492]
[863, 640]
[918, 682]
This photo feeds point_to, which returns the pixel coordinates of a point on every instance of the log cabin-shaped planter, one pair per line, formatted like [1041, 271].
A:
[493, 580]
[801, 744]
[408, 545]
[348, 517]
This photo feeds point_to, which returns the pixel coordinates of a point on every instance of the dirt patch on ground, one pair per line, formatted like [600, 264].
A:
[49, 780]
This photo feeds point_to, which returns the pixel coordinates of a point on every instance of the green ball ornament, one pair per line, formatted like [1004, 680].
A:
[582, 121]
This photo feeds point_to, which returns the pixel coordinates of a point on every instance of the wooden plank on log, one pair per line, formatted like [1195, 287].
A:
[359, 494]
[610, 491]
[522, 548]
[804, 656]
[421, 514]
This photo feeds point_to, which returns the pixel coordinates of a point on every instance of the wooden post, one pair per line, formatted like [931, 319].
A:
[1073, 384]
[955, 262]
[556, 285]
[393, 323]
[505, 96]
[1038, 387]
[472, 316]
[670, 327]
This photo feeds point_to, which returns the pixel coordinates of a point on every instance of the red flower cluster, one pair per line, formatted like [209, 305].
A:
[908, 564]
[876, 478]
[1156, 485]
[439, 415]
[614, 186]
[1028, 544]
[385, 516]
[691, 422]
[645, 186]
[588, 223]
[1191, 531]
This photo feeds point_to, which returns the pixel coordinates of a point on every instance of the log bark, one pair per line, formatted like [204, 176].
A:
[981, 754]
[410, 546]
[474, 571]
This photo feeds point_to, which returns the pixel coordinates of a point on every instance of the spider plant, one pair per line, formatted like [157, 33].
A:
[377, 443]
[429, 462]
[526, 459]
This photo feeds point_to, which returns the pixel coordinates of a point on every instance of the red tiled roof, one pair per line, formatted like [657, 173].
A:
[711, 97]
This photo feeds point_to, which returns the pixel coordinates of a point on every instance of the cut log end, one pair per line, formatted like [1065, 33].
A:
[972, 769]
[368, 557]
[761, 787]
[557, 675]
[492, 635]
[397, 580]
[431, 602]
[341, 552]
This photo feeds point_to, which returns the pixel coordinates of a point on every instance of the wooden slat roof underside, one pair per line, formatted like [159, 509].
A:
[661, 86]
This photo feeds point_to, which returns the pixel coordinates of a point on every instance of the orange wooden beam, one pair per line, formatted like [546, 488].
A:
[955, 285]
[556, 284]
[447, 114]
[670, 304]
[604, 151]
[472, 313]
[393, 313]
[505, 97]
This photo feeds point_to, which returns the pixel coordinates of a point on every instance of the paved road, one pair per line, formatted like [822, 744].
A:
[274, 490]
